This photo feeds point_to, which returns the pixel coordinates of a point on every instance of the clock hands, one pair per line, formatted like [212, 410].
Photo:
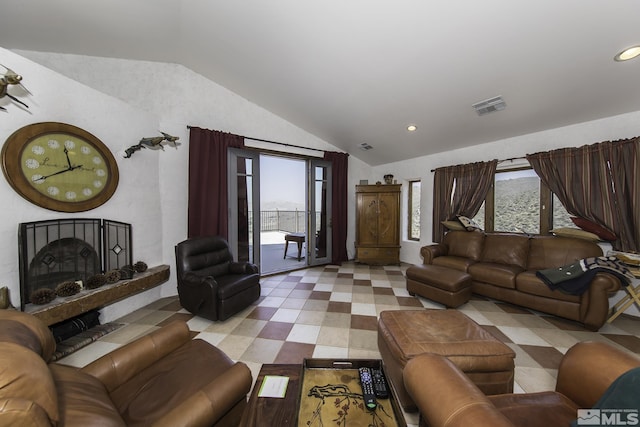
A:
[42, 178]
[66, 153]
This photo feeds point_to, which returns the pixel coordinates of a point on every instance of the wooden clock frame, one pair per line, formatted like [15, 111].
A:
[12, 168]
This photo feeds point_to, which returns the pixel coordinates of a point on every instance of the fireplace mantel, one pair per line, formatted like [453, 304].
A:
[65, 308]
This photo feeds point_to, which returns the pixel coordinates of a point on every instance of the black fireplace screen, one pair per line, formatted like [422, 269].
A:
[56, 251]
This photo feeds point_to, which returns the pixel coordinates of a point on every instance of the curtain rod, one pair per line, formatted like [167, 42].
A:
[273, 142]
[500, 161]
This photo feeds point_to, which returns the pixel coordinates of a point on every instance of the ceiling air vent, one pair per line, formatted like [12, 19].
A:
[489, 105]
[364, 146]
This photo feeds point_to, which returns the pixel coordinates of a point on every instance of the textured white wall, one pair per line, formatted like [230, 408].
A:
[137, 200]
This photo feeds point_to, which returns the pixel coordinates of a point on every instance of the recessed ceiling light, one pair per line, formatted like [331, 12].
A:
[628, 53]
[412, 128]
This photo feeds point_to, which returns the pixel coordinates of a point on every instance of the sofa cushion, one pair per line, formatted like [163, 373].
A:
[553, 251]
[528, 282]
[508, 249]
[152, 392]
[464, 244]
[495, 274]
[454, 262]
[84, 400]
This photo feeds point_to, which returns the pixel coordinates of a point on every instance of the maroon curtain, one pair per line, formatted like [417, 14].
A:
[597, 182]
[339, 167]
[460, 190]
[208, 199]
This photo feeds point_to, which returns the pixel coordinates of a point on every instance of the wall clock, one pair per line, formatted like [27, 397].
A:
[60, 167]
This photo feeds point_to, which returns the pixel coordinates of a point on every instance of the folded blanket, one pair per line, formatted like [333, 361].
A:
[575, 278]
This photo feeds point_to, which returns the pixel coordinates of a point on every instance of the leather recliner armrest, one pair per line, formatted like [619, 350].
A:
[120, 365]
[446, 397]
[588, 369]
[432, 251]
[212, 401]
[243, 268]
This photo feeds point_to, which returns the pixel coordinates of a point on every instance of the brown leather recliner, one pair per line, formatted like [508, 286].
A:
[210, 283]
[447, 398]
[162, 379]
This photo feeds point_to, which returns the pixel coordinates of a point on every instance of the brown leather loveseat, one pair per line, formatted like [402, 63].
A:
[503, 266]
[165, 378]
[446, 397]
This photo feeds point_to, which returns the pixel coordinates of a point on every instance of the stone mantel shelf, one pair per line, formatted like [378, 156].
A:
[65, 308]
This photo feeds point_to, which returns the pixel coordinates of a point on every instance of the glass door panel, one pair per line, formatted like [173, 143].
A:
[244, 203]
[319, 212]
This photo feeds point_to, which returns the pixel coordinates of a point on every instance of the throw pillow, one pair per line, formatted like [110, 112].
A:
[468, 223]
[594, 228]
[453, 225]
[575, 233]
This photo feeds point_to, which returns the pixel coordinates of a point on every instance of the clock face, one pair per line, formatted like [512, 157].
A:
[59, 167]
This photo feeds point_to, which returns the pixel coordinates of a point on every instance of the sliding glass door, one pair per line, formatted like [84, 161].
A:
[246, 216]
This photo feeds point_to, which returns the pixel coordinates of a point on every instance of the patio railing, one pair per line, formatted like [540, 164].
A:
[287, 221]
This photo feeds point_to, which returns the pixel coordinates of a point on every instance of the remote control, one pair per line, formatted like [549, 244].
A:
[380, 387]
[368, 393]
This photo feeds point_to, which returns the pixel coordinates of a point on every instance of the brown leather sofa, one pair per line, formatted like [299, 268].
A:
[165, 378]
[447, 398]
[503, 266]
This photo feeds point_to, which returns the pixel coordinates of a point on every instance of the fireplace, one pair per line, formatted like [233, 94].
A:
[55, 251]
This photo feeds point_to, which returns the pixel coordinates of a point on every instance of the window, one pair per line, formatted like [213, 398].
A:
[414, 210]
[518, 202]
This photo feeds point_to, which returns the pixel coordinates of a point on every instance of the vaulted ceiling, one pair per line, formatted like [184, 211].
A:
[360, 71]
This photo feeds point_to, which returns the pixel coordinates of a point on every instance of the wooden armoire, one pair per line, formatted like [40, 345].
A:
[378, 224]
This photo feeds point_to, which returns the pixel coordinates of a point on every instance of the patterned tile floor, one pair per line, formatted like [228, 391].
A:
[331, 312]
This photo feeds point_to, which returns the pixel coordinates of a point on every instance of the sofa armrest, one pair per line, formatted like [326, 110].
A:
[594, 304]
[211, 402]
[243, 268]
[588, 369]
[120, 365]
[432, 251]
[446, 397]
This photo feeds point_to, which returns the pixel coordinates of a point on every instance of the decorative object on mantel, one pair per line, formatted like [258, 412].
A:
[112, 276]
[68, 288]
[59, 167]
[153, 142]
[10, 77]
[94, 282]
[42, 296]
[388, 179]
[140, 266]
[127, 272]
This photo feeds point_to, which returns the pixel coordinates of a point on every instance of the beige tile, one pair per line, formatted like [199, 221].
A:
[249, 327]
[262, 351]
[365, 340]
[532, 380]
[235, 346]
[311, 317]
[338, 320]
[328, 352]
[332, 336]
[307, 334]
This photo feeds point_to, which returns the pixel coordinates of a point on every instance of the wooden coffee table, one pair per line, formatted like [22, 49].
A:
[270, 412]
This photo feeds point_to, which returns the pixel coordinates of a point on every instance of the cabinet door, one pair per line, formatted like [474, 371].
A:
[368, 219]
[388, 229]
